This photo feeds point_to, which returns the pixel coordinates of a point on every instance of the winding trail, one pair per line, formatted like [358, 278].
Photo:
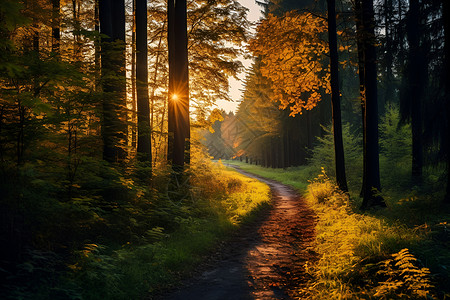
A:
[266, 259]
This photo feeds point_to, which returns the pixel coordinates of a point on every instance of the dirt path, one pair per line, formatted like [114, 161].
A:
[266, 260]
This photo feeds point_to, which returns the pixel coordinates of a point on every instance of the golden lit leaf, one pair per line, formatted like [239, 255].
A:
[291, 50]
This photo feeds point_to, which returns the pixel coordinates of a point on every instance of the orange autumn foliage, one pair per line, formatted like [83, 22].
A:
[292, 50]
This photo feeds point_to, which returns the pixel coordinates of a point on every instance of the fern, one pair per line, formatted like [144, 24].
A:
[404, 278]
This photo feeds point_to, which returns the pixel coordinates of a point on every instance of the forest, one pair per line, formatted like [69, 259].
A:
[122, 178]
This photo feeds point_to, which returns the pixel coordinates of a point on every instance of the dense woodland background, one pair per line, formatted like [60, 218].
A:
[399, 92]
[107, 188]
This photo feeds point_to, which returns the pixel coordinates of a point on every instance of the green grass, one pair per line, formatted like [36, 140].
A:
[222, 201]
[296, 177]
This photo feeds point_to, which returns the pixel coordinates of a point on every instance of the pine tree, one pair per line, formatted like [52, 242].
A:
[144, 147]
[372, 185]
[335, 97]
[178, 109]
[112, 26]
[412, 94]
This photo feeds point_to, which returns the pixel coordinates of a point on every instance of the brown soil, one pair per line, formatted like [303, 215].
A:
[265, 260]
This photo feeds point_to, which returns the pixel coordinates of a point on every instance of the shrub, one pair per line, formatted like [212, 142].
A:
[322, 155]
[395, 150]
[322, 189]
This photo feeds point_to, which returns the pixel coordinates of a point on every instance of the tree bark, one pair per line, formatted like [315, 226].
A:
[362, 92]
[336, 98]
[372, 186]
[112, 24]
[416, 75]
[389, 80]
[144, 148]
[178, 118]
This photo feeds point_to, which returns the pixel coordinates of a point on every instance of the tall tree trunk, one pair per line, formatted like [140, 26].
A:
[112, 24]
[335, 98]
[362, 92]
[178, 117]
[171, 57]
[412, 96]
[144, 147]
[182, 82]
[389, 81]
[372, 186]
[446, 13]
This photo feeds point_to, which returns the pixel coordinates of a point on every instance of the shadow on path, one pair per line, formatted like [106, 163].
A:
[266, 260]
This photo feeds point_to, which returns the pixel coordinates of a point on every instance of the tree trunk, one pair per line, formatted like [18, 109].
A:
[144, 148]
[372, 186]
[362, 92]
[336, 98]
[171, 57]
[112, 24]
[389, 80]
[416, 75]
[178, 117]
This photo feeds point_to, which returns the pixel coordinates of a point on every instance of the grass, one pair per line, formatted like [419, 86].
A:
[402, 252]
[296, 177]
[222, 200]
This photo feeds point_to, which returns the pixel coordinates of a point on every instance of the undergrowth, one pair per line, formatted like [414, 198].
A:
[220, 201]
[163, 237]
[362, 256]
[397, 253]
